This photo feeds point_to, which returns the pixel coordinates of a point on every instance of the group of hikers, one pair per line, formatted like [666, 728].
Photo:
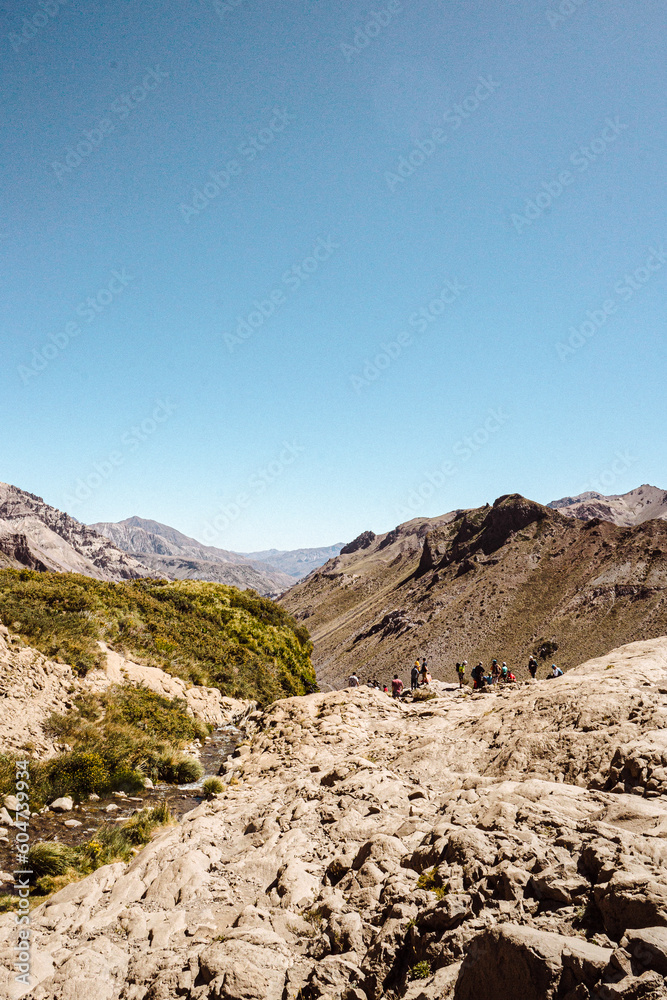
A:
[499, 674]
[419, 676]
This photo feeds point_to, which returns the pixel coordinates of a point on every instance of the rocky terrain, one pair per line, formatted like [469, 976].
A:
[177, 557]
[501, 845]
[643, 504]
[37, 536]
[297, 563]
[33, 686]
[498, 581]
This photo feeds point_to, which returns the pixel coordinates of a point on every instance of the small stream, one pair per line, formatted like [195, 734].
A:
[49, 826]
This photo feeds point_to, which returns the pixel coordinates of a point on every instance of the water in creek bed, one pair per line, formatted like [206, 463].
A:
[180, 799]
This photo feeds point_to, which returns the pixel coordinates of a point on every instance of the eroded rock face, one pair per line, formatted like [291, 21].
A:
[466, 847]
[32, 687]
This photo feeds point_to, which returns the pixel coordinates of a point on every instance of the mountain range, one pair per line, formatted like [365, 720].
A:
[37, 536]
[497, 581]
[646, 503]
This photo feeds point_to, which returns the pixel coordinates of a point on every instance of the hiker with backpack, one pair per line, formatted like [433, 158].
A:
[396, 687]
[414, 676]
[532, 667]
[461, 671]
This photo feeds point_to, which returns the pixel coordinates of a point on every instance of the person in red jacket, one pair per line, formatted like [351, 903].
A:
[396, 687]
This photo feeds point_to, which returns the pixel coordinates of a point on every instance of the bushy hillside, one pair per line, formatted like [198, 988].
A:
[206, 633]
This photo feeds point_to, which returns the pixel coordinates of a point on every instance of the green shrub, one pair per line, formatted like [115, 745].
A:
[206, 633]
[179, 770]
[212, 787]
[139, 827]
[51, 858]
[422, 970]
[55, 865]
[432, 881]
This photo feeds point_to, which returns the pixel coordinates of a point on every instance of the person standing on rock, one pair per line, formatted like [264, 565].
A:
[396, 687]
[495, 672]
[424, 671]
[414, 676]
[461, 671]
[532, 667]
[353, 681]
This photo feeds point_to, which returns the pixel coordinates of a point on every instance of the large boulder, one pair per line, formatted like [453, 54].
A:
[648, 947]
[510, 961]
[631, 901]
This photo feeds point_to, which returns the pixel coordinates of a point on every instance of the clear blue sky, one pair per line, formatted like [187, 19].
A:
[372, 174]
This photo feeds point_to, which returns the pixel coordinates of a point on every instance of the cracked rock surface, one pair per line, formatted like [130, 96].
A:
[502, 845]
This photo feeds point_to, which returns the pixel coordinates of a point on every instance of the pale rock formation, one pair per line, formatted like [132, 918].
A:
[502, 845]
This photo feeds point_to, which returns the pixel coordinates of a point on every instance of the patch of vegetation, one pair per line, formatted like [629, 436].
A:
[422, 970]
[117, 739]
[423, 695]
[55, 865]
[205, 633]
[432, 881]
[546, 648]
[212, 787]
[314, 917]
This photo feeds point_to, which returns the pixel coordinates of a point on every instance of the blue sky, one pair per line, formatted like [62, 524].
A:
[278, 273]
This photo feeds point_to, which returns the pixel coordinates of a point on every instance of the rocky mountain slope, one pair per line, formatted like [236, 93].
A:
[37, 536]
[625, 509]
[297, 563]
[501, 845]
[176, 556]
[497, 581]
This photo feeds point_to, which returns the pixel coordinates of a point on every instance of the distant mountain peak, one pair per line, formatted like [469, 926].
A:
[177, 556]
[35, 535]
[645, 503]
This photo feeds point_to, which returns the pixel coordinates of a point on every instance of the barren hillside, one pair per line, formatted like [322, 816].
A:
[492, 582]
